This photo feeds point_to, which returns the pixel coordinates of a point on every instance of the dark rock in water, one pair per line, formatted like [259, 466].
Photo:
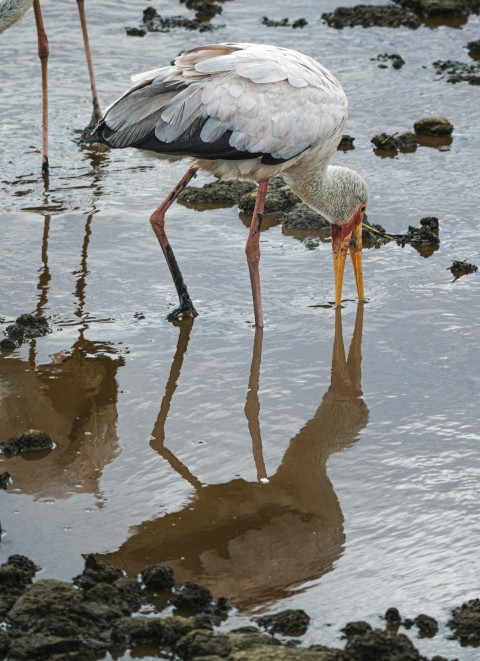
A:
[135, 32]
[191, 596]
[458, 72]
[404, 142]
[221, 193]
[462, 268]
[465, 623]
[15, 576]
[155, 22]
[95, 572]
[165, 631]
[291, 622]
[27, 326]
[380, 646]
[7, 345]
[206, 621]
[374, 236]
[284, 22]
[436, 126]
[158, 577]
[278, 200]
[216, 645]
[366, 16]
[474, 49]
[392, 616]
[424, 238]
[302, 217]
[204, 10]
[5, 480]
[427, 626]
[396, 61]
[432, 8]
[356, 628]
[346, 143]
[32, 441]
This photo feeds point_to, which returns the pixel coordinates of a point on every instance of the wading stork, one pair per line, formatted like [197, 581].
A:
[248, 111]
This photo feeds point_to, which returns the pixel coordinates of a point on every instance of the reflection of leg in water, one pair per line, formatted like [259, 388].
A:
[158, 432]
[252, 406]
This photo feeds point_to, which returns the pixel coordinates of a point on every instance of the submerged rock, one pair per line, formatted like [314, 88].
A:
[427, 626]
[221, 193]
[302, 217]
[435, 126]
[291, 622]
[284, 22]
[458, 72]
[27, 326]
[366, 16]
[424, 239]
[394, 143]
[154, 22]
[433, 8]
[396, 60]
[96, 572]
[31, 441]
[462, 268]
[5, 480]
[192, 597]
[474, 49]
[381, 646]
[465, 623]
[158, 577]
[356, 628]
[16, 575]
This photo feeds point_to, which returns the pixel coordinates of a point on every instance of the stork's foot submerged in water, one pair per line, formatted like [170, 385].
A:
[186, 310]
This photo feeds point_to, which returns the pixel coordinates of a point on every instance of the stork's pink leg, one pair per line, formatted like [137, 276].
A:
[252, 250]
[157, 220]
[96, 113]
[43, 55]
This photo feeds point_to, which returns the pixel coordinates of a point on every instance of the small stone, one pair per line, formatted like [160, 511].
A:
[5, 479]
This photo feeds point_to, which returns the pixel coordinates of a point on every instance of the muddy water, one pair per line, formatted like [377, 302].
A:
[365, 422]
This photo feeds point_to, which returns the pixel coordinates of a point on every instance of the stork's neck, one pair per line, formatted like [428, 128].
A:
[335, 192]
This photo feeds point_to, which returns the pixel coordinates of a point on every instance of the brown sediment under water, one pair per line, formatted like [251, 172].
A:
[330, 462]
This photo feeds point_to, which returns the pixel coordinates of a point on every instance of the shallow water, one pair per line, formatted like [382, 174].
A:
[364, 421]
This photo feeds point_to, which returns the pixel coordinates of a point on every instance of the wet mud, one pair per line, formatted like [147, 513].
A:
[99, 613]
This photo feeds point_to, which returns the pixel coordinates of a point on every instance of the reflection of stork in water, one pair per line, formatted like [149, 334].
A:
[258, 542]
[10, 12]
[73, 399]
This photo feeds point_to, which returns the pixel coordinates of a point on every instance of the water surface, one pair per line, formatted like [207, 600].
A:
[364, 421]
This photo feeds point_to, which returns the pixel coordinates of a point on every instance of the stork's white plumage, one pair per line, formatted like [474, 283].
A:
[247, 111]
[10, 12]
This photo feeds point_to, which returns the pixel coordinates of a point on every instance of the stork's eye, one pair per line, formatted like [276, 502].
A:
[363, 208]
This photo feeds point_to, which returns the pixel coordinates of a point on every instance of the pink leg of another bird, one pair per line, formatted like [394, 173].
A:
[157, 220]
[252, 250]
[43, 55]
[96, 114]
